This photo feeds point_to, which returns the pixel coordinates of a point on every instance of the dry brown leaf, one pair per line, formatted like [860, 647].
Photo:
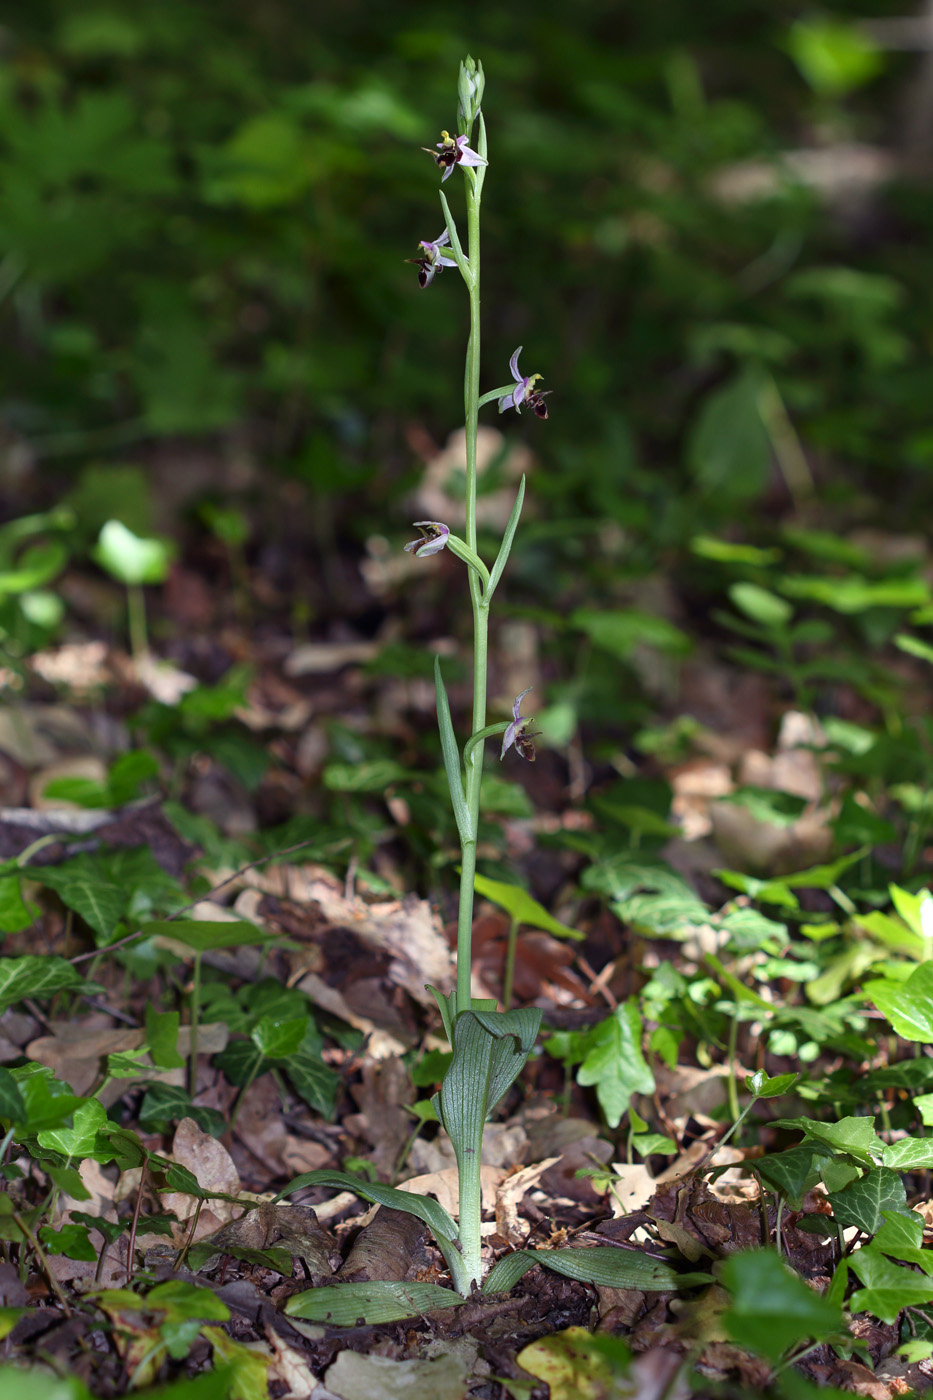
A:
[509, 1192]
[289, 1369]
[445, 1186]
[210, 1162]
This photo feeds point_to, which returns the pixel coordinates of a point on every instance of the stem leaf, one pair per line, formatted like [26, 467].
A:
[506, 546]
[451, 758]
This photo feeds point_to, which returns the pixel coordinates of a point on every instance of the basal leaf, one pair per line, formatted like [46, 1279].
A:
[426, 1209]
[343, 1305]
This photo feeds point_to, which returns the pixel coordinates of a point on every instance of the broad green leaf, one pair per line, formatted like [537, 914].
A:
[856, 1136]
[203, 935]
[772, 1308]
[242, 1062]
[426, 1209]
[188, 1300]
[15, 913]
[911, 909]
[81, 1139]
[131, 560]
[769, 1086]
[520, 906]
[862, 1202]
[12, 1104]
[162, 1037]
[49, 1102]
[909, 1154]
[614, 1062]
[71, 1240]
[923, 1103]
[17, 1383]
[790, 1173]
[342, 1305]
[277, 1039]
[901, 1236]
[35, 977]
[907, 1005]
[623, 630]
[728, 448]
[314, 1080]
[761, 605]
[834, 55]
[170, 1103]
[67, 1179]
[888, 1287]
[100, 903]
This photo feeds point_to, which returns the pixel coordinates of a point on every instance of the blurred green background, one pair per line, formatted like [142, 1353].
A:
[708, 226]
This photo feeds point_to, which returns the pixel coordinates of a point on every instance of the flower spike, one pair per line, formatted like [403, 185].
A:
[434, 536]
[433, 260]
[517, 734]
[524, 390]
[451, 151]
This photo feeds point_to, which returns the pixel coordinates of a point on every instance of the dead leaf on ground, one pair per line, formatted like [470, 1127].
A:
[210, 1162]
[445, 1186]
[356, 1377]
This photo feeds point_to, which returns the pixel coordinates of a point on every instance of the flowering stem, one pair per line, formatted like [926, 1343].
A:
[474, 760]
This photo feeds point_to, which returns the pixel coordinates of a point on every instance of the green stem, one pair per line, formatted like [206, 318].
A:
[509, 976]
[474, 763]
[136, 613]
[195, 1009]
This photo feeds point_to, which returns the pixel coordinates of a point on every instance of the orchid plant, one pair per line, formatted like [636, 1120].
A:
[490, 1047]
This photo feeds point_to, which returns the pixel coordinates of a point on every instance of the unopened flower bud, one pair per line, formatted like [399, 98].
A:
[470, 86]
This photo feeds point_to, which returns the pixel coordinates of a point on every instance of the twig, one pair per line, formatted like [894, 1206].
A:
[40, 1255]
[132, 1243]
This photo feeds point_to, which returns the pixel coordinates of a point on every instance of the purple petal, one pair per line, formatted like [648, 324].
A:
[518, 395]
[446, 174]
[446, 262]
[513, 363]
[434, 536]
[508, 738]
[518, 701]
[444, 238]
[505, 402]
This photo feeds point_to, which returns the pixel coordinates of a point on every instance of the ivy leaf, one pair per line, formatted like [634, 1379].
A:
[791, 1173]
[907, 1005]
[772, 1308]
[862, 1202]
[100, 902]
[888, 1287]
[81, 1139]
[908, 1154]
[856, 1136]
[34, 977]
[614, 1062]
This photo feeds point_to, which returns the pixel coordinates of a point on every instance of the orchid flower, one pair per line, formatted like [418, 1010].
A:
[524, 390]
[453, 150]
[433, 260]
[516, 735]
[434, 536]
